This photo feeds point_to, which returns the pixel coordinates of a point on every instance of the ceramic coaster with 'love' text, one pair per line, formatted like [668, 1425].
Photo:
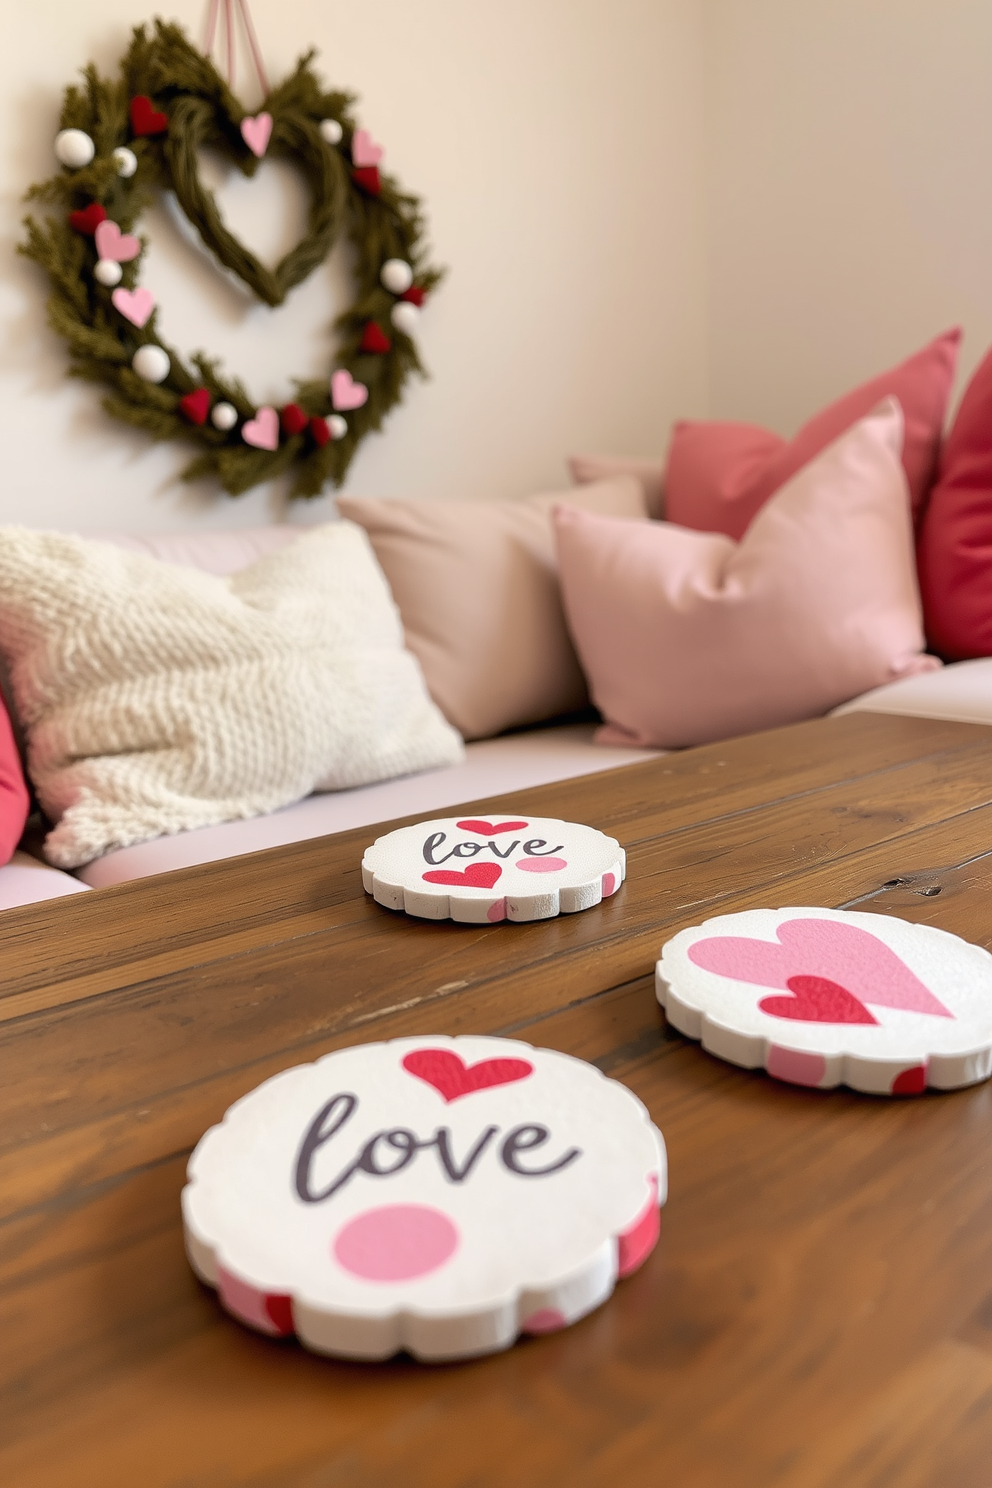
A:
[506, 868]
[436, 1195]
[826, 997]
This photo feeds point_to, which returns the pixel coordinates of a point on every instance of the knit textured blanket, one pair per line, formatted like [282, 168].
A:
[157, 698]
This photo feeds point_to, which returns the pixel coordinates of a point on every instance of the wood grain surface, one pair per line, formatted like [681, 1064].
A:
[819, 1310]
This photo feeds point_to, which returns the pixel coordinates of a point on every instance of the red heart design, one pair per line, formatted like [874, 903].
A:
[374, 338]
[293, 419]
[489, 829]
[145, 118]
[476, 876]
[367, 176]
[452, 1078]
[88, 219]
[196, 405]
[817, 1000]
[415, 295]
[319, 432]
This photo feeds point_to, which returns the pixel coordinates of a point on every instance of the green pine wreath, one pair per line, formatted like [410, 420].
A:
[146, 127]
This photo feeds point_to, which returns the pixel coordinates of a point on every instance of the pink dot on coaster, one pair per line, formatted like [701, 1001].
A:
[545, 1320]
[912, 1081]
[396, 1243]
[609, 884]
[496, 911]
[795, 1067]
[541, 865]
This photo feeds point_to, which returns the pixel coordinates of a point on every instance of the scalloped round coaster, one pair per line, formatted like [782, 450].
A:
[824, 997]
[478, 870]
[439, 1195]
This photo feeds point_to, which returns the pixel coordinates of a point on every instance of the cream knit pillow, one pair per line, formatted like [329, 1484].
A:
[157, 698]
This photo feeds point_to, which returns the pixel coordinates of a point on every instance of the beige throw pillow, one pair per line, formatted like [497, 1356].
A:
[158, 698]
[477, 588]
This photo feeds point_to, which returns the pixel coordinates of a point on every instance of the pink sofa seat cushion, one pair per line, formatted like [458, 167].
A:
[689, 637]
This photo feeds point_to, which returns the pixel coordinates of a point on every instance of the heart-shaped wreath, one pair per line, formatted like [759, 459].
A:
[122, 142]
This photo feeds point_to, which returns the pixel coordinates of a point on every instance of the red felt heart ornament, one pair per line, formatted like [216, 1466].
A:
[293, 419]
[319, 432]
[196, 405]
[452, 1078]
[476, 876]
[88, 219]
[367, 176]
[145, 117]
[414, 294]
[817, 1000]
[490, 829]
[374, 338]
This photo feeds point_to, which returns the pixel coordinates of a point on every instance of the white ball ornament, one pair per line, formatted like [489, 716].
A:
[331, 131]
[337, 425]
[126, 161]
[224, 417]
[405, 317]
[396, 275]
[74, 148]
[108, 272]
[151, 363]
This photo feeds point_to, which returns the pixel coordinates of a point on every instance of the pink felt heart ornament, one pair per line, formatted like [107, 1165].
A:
[134, 304]
[113, 244]
[256, 131]
[346, 393]
[263, 430]
[364, 150]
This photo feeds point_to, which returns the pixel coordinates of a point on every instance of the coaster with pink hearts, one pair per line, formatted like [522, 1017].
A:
[479, 870]
[826, 997]
[438, 1195]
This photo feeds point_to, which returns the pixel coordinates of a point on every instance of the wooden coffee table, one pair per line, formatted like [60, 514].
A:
[819, 1309]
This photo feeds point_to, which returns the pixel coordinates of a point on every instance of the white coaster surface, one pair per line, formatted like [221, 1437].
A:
[481, 870]
[824, 997]
[437, 1195]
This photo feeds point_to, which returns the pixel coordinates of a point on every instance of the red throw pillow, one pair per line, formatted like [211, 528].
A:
[954, 551]
[720, 475]
[14, 798]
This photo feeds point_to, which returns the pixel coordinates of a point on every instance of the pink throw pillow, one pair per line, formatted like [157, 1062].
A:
[14, 797]
[954, 553]
[688, 637]
[720, 475]
[476, 585]
[587, 468]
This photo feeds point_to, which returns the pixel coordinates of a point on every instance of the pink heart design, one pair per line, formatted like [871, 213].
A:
[134, 304]
[256, 131]
[816, 1000]
[263, 430]
[837, 952]
[364, 150]
[489, 829]
[346, 393]
[453, 1078]
[541, 865]
[475, 876]
[112, 243]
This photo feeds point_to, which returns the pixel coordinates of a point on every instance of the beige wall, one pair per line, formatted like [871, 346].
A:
[850, 193]
[557, 144]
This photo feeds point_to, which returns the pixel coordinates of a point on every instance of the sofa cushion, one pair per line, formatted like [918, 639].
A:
[158, 698]
[26, 881]
[719, 476]
[689, 637]
[585, 469]
[14, 796]
[954, 553]
[491, 767]
[961, 692]
[477, 587]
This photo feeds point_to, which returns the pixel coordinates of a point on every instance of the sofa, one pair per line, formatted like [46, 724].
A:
[514, 760]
